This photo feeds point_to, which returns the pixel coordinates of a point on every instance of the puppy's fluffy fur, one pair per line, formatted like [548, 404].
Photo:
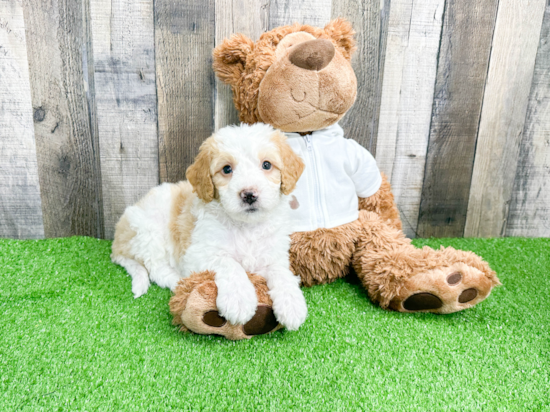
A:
[230, 217]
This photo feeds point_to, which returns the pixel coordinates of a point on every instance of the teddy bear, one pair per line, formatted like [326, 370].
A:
[299, 79]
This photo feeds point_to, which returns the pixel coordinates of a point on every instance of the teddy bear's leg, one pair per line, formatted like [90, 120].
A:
[193, 307]
[399, 276]
[383, 204]
[323, 255]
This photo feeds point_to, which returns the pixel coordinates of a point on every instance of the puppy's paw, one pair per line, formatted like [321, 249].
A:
[289, 306]
[237, 301]
[140, 285]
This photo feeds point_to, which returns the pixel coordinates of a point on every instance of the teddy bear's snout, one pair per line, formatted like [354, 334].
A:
[313, 54]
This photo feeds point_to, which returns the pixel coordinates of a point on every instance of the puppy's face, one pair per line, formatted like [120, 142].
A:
[247, 169]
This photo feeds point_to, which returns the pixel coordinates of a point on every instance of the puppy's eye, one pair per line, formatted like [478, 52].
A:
[266, 165]
[227, 170]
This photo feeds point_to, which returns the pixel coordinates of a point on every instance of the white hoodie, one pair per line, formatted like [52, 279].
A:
[338, 170]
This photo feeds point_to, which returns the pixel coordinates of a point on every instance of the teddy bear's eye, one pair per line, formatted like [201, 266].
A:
[227, 170]
[266, 165]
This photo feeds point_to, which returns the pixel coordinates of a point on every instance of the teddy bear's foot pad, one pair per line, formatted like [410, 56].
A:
[422, 301]
[213, 318]
[262, 322]
[444, 290]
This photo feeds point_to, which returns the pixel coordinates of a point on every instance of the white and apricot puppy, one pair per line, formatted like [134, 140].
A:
[231, 217]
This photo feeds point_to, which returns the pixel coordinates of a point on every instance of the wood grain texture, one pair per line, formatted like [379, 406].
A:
[461, 73]
[511, 68]
[248, 17]
[65, 124]
[184, 40]
[530, 207]
[370, 21]
[20, 205]
[313, 12]
[124, 62]
[407, 95]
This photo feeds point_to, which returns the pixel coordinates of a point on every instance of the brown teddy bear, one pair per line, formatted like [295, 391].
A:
[299, 79]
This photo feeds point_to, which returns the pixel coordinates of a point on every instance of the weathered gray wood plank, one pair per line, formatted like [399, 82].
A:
[313, 12]
[462, 70]
[184, 40]
[407, 95]
[511, 68]
[370, 22]
[530, 207]
[248, 17]
[20, 205]
[62, 88]
[124, 61]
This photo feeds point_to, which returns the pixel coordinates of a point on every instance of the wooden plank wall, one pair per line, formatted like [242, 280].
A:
[515, 43]
[461, 74]
[65, 119]
[126, 100]
[529, 213]
[102, 99]
[407, 96]
[20, 206]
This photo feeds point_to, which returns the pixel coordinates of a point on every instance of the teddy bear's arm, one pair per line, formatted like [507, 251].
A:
[383, 204]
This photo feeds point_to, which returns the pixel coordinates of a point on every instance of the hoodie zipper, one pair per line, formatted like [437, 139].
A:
[316, 194]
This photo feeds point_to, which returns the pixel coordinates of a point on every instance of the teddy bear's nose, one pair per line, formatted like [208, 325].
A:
[313, 54]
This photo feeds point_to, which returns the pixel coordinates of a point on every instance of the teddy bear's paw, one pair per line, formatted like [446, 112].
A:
[194, 308]
[262, 322]
[444, 290]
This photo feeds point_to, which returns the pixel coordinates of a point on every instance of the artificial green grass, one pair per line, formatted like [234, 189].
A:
[73, 338]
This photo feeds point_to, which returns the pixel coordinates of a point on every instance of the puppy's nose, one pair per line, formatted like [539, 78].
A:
[248, 196]
[312, 54]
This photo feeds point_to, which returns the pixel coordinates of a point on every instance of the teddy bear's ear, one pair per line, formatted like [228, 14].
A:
[342, 33]
[230, 58]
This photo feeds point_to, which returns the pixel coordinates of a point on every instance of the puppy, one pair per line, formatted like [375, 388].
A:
[231, 217]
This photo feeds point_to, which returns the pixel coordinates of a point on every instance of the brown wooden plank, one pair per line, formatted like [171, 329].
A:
[530, 207]
[370, 21]
[184, 40]
[20, 205]
[126, 100]
[462, 70]
[248, 17]
[410, 70]
[505, 100]
[62, 88]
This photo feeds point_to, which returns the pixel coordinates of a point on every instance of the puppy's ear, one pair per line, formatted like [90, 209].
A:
[342, 33]
[293, 165]
[230, 58]
[198, 174]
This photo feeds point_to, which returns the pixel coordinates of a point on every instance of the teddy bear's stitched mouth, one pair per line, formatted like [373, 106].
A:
[315, 110]
[308, 115]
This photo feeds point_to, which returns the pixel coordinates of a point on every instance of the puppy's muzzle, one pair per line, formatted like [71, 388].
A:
[249, 196]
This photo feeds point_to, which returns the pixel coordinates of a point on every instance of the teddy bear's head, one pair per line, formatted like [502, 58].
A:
[297, 78]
